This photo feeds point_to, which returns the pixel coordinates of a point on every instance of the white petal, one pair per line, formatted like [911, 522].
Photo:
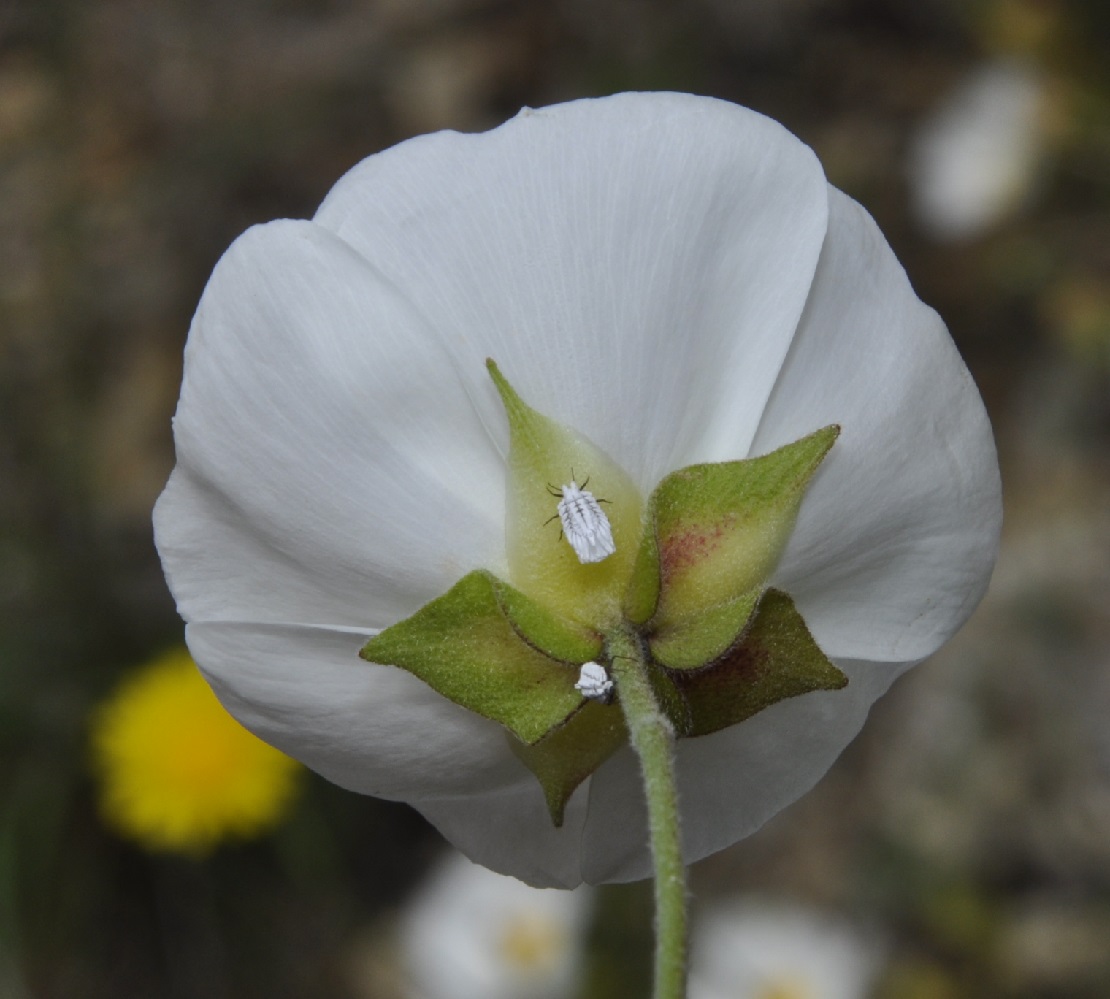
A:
[331, 468]
[898, 533]
[636, 264]
[508, 829]
[729, 783]
[373, 729]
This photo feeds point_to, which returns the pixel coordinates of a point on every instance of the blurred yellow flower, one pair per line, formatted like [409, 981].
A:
[177, 772]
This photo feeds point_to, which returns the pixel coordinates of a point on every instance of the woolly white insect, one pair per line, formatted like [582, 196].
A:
[594, 683]
[584, 522]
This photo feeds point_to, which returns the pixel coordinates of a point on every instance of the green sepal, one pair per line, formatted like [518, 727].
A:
[641, 596]
[776, 658]
[554, 636]
[490, 649]
[543, 457]
[701, 639]
[668, 695]
[716, 531]
[570, 753]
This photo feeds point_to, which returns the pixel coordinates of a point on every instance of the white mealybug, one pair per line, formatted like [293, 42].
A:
[584, 522]
[594, 683]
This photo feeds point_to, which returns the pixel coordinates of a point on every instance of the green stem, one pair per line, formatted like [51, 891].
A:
[652, 737]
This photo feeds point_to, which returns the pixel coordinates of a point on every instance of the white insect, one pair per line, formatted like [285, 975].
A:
[584, 522]
[594, 683]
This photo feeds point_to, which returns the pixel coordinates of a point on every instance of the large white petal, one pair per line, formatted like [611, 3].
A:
[508, 829]
[331, 468]
[373, 729]
[898, 533]
[729, 783]
[636, 264]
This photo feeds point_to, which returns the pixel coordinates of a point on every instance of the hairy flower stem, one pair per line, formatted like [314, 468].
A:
[652, 737]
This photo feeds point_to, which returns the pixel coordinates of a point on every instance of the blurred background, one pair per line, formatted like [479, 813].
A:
[961, 845]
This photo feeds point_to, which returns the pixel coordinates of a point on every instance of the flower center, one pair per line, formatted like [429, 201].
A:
[787, 987]
[532, 943]
[678, 585]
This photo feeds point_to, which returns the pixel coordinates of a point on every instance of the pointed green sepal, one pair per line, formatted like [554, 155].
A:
[490, 649]
[715, 532]
[544, 456]
[568, 754]
[775, 659]
[641, 596]
[668, 695]
[702, 639]
[552, 635]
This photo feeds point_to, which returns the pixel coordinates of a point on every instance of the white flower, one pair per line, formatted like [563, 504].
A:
[671, 276]
[975, 158]
[472, 934]
[762, 949]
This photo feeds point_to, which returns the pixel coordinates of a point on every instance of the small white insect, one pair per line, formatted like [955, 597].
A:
[594, 683]
[584, 522]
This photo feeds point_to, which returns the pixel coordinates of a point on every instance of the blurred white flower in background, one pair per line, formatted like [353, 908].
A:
[766, 949]
[975, 159]
[473, 934]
